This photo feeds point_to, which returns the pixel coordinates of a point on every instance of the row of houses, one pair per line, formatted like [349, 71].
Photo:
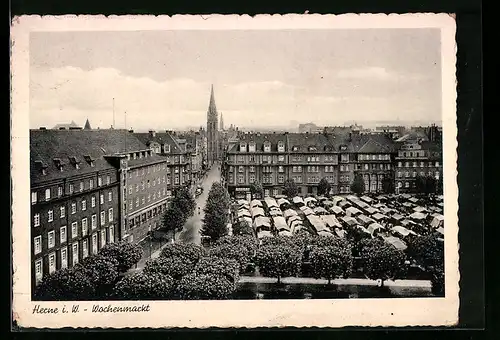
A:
[93, 187]
[272, 158]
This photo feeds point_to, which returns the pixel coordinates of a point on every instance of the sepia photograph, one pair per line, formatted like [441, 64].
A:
[276, 161]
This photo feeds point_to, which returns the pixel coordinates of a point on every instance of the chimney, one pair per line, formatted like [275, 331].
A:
[43, 128]
[152, 133]
[131, 131]
[350, 136]
[75, 128]
[60, 128]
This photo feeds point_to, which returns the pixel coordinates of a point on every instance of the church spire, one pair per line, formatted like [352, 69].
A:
[221, 122]
[87, 125]
[212, 109]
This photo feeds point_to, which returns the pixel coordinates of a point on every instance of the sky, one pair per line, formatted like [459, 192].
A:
[162, 79]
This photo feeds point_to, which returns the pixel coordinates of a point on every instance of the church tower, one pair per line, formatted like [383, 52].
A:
[221, 122]
[212, 130]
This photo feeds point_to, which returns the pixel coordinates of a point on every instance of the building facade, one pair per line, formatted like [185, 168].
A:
[75, 195]
[212, 131]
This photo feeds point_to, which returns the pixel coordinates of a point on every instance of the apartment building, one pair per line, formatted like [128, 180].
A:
[75, 195]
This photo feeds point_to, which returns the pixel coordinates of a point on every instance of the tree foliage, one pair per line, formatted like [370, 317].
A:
[144, 286]
[239, 248]
[242, 228]
[216, 213]
[278, 257]
[388, 185]
[101, 271]
[174, 266]
[65, 285]
[256, 188]
[126, 254]
[331, 258]
[228, 268]
[204, 287]
[381, 260]
[290, 188]
[324, 187]
[358, 184]
[437, 280]
[181, 207]
[426, 250]
[425, 184]
[190, 251]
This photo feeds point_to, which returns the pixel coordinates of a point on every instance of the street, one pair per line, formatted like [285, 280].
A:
[191, 231]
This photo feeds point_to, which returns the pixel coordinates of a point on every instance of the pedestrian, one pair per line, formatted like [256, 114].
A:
[199, 210]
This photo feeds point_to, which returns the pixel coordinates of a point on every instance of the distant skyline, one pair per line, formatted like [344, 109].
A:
[261, 78]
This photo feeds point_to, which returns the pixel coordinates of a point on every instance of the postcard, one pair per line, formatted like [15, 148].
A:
[234, 171]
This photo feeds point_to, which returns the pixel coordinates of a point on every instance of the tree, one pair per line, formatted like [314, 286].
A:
[439, 185]
[239, 248]
[430, 185]
[256, 188]
[426, 250]
[101, 271]
[388, 185]
[174, 266]
[290, 189]
[181, 207]
[144, 286]
[126, 254]
[216, 213]
[358, 184]
[437, 280]
[242, 228]
[190, 251]
[204, 287]
[278, 257]
[332, 260]
[228, 268]
[324, 187]
[65, 285]
[381, 260]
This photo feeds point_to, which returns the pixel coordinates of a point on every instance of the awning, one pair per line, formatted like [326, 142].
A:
[396, 242]
[261, 221]
[352, 198]
[325, 233]
[344, 204]
[363, 219]
[282, 201]
[242, 213]
[275, 212]
[374, 226]
[297, 200]
[270, 202]
[317, 223]
[340, 233]
[437, 221]
[419, 209]
[371, 210]
[280, 223]
[402, 231]
[397, 217]
[327, 203]
[257, 211]
[353, 211]
[407, 204]
[285, 233]
[308, 211]
[413, 199]
[337, 210]
[366, 199]
[349, 220]
[360, 204]
[440, 230]
[337, 199]
[264, 233]
[308, 200]
[242, 202]
[320, 211]
[294, 218]
[417, 216]
[289, 212]
[331, 221]
[256, 203]
[247, 219]
[379, 217]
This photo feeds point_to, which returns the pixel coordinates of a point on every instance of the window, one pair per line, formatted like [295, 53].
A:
[143, 200]
[74, 229]
[91, 184]
[47, 194]
[103, 217]
[52, 263]
[436, 175]
[62, 212]
[111, 234]
[414, 174]
[73, 208]
[81, 186]
[93, 221]
[92, 201]
[110, 196]
[71, 188]
[103, 238]
[407, 174]
[38, 244]
[64, 257]
[36, 220]
[33, 197]
[400, 184]
[74, 250]
[281, 178]
[252, 178]
[241, 179]
[240, 169]
[399, 174]
[101, 199]
[407, 184]
[99, 181]
[110, 214]
[62, 234]
[281, 158]
[85, 248]
[94, 243]
[51, 239]
[84, 205]
[108, 179]
[137, 202]
[38, 270]
[84, 226]
[437, 164]
[400, 164]
[59, 191]
[50, 215]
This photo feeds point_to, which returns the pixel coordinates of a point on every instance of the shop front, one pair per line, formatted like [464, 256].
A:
[243, 193]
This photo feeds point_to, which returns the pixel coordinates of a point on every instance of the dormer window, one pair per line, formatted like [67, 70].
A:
[267, 146]
[281, 146]
[312, 148]
[243, 147]
[59, 164]
[41, 166]
[89, 160]
[251, 147]
[166, 148]
[295, 148]
[75, 162]
[343, 148]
